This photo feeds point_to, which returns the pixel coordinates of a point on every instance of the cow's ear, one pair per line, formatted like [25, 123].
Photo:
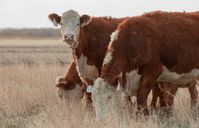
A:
[56, 19]
[85, 20]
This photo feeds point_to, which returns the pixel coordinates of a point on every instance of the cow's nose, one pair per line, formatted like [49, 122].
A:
[69, 37]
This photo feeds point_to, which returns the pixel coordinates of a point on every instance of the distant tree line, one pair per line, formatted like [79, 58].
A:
[30, 33]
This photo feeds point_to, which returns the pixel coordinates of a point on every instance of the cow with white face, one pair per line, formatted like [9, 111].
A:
[88, 37]
[149, 49]
[70, 23]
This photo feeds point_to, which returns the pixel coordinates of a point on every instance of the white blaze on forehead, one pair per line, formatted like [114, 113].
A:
[85, 70]
[175, 78]
[100, 97]
[114, 36]
[70, 15]
[132, 83]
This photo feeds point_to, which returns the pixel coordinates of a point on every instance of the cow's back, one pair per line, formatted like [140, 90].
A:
[171, 37]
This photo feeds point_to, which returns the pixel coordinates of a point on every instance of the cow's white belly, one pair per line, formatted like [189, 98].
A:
[85, 70]
[175, 78]
[132, 83]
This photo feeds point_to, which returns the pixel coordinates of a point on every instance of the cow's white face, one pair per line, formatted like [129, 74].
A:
[70, 27]
[70, 24]
[101, 99]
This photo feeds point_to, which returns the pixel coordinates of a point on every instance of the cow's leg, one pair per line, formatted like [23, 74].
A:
[150, 74]
[87, 101]
[194, 95]
[168, 92]
[63, 86]
[69, 81]
[155, 95]
[87, 88]
[145, 87]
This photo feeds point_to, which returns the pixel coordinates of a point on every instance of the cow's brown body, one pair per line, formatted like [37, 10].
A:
[148, 44]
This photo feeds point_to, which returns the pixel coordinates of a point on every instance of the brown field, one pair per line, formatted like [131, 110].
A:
[28, 69]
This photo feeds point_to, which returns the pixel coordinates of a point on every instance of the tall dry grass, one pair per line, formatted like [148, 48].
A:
[28, 100]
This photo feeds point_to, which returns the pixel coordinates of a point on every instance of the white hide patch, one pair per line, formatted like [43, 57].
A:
[100, 97]
[132, 83]
[175, 78]
[85, 70]
[108, 58]
[114, 36]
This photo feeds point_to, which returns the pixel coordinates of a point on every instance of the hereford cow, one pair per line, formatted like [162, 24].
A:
[156, 46]
[88, 37]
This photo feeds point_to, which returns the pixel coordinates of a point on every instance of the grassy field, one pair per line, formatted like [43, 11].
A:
[28, 69]
[33, 52]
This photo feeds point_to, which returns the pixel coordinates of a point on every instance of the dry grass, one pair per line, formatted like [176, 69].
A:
[28, 95]
[31, 52]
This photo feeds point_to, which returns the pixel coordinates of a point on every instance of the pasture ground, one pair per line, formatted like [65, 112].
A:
[28, 69]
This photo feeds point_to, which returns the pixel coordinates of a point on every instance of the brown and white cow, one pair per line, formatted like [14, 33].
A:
[154, 47]
[88, 37]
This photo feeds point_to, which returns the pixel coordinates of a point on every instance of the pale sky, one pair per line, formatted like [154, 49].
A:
[34, 13]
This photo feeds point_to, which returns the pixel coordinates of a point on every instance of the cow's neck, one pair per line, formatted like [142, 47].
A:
[80, 50]
[87, 71]
[87, 51]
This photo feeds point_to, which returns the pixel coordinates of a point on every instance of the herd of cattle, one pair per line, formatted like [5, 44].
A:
[156, 51]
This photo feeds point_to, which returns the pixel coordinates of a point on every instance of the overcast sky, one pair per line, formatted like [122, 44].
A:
[33, 13]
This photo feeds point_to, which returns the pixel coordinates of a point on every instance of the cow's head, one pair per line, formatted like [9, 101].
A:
[70, 24]
[102, 97]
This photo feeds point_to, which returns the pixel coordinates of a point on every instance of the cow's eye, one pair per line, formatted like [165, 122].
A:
[61, 23]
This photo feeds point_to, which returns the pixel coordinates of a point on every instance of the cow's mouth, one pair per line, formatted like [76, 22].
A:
[68, 41]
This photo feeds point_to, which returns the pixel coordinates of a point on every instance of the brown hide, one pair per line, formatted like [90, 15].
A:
[148, 43]
[55, 17]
